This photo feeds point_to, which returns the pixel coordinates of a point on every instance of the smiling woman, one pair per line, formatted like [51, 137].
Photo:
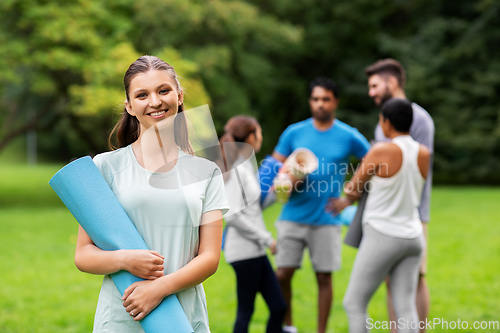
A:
[175, 200]
[154, 97]
[153, 91]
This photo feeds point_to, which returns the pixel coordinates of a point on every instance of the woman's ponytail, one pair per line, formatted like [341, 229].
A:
[127, 131]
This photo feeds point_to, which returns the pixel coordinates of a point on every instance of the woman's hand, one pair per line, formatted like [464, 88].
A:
[91, 259]
[273, 247]
[351, 191]
[141, 298]
[337, 205]
[145, 264]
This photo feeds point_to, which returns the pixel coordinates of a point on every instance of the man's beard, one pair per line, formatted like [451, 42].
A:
[387, 95]
[322, 116]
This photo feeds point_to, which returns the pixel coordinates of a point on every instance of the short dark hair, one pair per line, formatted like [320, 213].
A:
[399, 112]
[326, 83]
[389, 67]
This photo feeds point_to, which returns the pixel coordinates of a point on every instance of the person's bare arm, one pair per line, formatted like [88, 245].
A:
[376, 161]
[279, 156]
[89, 258]
[142, 297]
[424, 156]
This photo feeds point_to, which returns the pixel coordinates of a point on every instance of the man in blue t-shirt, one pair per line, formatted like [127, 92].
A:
[305, 220]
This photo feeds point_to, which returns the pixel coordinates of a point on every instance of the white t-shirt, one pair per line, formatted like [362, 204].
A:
[166, 209]
[247, 236]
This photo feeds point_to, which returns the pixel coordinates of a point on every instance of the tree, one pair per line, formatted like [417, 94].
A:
[64, 61]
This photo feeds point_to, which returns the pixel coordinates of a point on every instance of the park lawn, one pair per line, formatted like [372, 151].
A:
[42, 291]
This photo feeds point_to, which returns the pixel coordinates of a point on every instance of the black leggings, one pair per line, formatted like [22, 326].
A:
[256, 275]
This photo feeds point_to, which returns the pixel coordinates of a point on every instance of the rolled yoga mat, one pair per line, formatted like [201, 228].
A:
[88, 197]
[267, 172]
[355, 233]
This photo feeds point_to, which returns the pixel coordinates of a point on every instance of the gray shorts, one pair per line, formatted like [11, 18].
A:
[323, 241]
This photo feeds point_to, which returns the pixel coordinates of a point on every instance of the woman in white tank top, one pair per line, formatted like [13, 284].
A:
[392, 241]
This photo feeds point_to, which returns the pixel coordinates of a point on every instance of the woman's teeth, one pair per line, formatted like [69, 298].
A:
[157, 113]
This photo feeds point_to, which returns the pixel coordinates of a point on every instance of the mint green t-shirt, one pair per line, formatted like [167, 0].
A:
[166, 209]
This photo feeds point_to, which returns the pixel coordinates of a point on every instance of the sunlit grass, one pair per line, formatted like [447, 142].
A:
[42, 291]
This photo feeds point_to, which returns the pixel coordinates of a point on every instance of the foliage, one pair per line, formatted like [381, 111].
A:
[451, 56]
[61, 65]
[454, 68]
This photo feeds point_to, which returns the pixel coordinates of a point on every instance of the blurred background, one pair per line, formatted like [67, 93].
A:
[61, 70]
[62, 65]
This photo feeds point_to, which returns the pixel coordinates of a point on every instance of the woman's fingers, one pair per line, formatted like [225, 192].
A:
[134, 313]
[158, 255]
[145, 264]
[158, 260]
[140, 316]
[141, 298]
[127, 293]
[156, 274]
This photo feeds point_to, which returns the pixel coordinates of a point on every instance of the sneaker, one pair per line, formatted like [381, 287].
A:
[290, 329]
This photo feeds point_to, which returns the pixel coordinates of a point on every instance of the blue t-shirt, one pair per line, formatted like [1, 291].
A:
[332, 147]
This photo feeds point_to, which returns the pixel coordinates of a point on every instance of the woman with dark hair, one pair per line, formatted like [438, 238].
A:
[247, 237]
[175, 200]
[393, 241]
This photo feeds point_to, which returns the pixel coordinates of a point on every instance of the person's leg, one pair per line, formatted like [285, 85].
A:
[404, 279]
[247, 277]
[390, 306]
[423, 298]
[423, 294]
[325, 244]
[284, 275]
[290, 247]
[325, 297]
[376, 256]
[271, 292]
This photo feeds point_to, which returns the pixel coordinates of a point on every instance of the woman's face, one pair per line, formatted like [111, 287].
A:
[384, 124]
[153, 97]
[255, 140]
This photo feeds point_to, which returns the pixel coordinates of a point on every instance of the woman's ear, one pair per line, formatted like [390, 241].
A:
[129, 109]
[181, 98]
[251, 139]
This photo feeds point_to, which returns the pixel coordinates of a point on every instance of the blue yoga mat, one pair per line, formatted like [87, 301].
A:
[267, 172]
[347, 215]
[88, 197]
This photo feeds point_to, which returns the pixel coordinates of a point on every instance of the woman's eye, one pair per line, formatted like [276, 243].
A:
[164, 91]
[141, 95]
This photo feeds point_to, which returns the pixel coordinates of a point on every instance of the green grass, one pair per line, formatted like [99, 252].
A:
[42, 291]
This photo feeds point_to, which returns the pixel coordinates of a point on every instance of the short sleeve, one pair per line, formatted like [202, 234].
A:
[284, 146]
[215, 194]
[359, 144]
[379, 135]
[100, 163]
[423, 132]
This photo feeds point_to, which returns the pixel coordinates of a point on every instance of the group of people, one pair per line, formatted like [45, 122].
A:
[399, 167]
[177, 200]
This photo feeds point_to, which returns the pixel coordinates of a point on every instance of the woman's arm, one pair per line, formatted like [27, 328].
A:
[248, 229]
[370, 165]
[91, 259]
[142, 297]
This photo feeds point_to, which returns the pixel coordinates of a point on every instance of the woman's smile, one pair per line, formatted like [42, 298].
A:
[158, 114]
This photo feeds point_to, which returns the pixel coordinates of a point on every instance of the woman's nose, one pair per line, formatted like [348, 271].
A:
[154, 102]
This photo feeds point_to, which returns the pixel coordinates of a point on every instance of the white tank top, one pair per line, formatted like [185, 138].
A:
[392, 205]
